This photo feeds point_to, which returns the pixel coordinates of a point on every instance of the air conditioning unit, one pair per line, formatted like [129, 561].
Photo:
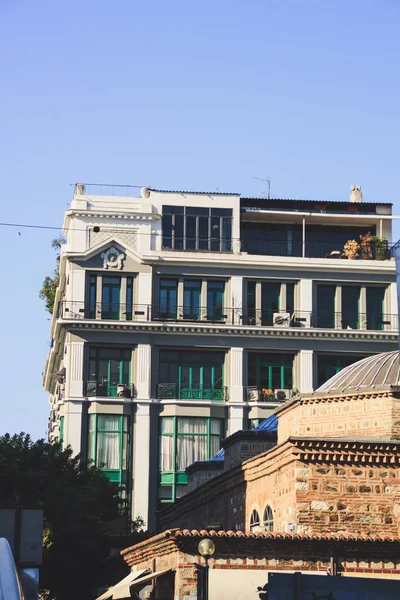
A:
[281, 319]
[121, 390]
[252, 395]
[282, 394]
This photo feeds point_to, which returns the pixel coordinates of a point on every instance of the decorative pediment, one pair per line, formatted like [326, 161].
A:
[113, 258]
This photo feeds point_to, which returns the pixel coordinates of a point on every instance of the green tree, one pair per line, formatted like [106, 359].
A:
[77, 502]
[50, 283]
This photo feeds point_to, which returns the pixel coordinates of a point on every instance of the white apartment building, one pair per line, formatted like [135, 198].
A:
[182, 317]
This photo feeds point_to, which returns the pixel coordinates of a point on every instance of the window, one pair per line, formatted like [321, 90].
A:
[191, 300]
[110, 298]
[330, 364]
[270, 371]
[61, 431]
[108, 368]
[268, 519]
[215, 300]
[197, 228]
[92, 296]
[191, 375]
[254, 521]
[108, 445]
[168, 298]
[325, 316]
[129, 298]
[375, 307]
[183, 441]
[270, 301]
[351, 306]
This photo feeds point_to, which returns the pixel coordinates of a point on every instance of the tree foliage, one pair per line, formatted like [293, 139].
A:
[77, 502]
[50, 283]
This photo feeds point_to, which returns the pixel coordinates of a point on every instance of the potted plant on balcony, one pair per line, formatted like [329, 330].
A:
[366, 246]
[351, 249]
[268, 394]
[379, 247]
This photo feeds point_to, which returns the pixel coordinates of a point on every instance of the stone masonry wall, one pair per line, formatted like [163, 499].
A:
[375, 415]
[347, 498]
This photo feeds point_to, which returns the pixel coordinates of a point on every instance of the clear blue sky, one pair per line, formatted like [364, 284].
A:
[182, 95]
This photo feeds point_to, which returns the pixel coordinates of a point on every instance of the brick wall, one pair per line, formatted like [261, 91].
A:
[376, 414]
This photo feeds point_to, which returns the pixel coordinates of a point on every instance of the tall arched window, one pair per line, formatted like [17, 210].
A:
[268, 519]
[254, 521]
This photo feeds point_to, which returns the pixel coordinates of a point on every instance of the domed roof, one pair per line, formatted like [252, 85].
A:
[378, 371]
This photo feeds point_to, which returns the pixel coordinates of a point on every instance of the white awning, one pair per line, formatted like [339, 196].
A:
[123, 585]
[146, 579]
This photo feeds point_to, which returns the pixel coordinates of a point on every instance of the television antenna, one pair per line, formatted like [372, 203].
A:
[268, 183]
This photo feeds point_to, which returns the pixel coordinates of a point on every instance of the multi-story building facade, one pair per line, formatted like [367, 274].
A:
[183, 317]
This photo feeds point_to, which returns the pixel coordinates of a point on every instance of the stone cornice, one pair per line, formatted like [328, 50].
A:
[331, 398]
[256, 332]
[119, 215]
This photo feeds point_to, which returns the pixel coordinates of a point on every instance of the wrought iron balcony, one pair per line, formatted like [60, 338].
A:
[109, 389]
[174, 391]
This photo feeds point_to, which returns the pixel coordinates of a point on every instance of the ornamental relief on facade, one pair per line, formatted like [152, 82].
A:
[113, 258]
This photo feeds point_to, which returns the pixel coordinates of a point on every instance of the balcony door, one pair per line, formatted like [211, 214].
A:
[110, 298]
[168, 298]
[375, 304]
[270, 301]
[191, 300]
[108, 367]
[191, 375]
[325, 316]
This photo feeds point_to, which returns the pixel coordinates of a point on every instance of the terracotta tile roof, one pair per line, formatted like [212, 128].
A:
[177, 534]
[196, 533]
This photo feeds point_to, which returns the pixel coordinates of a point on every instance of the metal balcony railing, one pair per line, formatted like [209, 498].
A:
[229, 316]
[361, 321]
[326, 249]
[109, 389]
[114, 311]
[173, 391]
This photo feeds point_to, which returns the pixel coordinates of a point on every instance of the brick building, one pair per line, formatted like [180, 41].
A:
[315, 488]
[242, 561]
[335, 467]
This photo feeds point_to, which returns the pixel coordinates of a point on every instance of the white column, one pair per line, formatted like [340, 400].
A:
[236, 304]
[306, 295]
[235, 389]
[235, 422]
[76, 290]
[143, 293]
[73, 426]
[141, 470]
[143, 370]
[75, 370]
[305, 371]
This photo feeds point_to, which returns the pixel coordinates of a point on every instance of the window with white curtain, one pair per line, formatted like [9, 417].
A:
[183, 441]
[108, 442]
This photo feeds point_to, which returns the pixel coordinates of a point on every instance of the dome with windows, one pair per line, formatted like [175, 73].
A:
[380, 371]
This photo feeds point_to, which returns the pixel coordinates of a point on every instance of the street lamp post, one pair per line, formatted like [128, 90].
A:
[206, 548]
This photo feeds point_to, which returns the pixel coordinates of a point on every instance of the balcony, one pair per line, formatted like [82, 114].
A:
[114, 311]
[172, 391]
[332, 250]
[109, 389]
[230, 316]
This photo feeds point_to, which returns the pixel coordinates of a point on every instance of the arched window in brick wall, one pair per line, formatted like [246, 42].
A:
[254, 521]
[268, 519]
